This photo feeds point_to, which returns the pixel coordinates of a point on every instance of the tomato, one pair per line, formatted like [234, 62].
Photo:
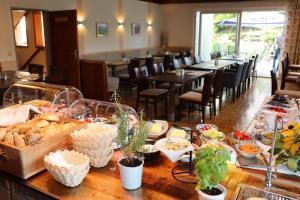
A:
[241, 135]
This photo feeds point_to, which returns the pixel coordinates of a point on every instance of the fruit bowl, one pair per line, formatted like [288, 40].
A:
[212, 134]
[67, 167]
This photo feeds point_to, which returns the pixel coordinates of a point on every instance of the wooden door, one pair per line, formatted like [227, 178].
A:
[64, 47]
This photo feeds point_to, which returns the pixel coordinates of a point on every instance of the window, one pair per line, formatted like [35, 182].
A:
[39, 29]
[21, 32]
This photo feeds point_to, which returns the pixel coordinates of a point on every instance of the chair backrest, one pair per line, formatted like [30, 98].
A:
[197, 59]
[286, 57]
[177, 63]
[156, 69]
[149, 64]
[274, 81]
[134, 63]
[208, 82]
[36, 69]
[218, 79]
[161, 67]
[250, 67]
[284, 68]
[188, 61]
[142, 76]
[255, 62]
[167, 62]
[238, 74]
[244, 72]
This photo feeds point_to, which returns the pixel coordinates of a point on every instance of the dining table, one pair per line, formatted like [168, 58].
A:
[171, 77]
[210, 65]
[115, 64]
[238, 58]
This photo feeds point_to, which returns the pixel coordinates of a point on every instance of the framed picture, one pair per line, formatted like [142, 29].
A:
[101, 29]
[135, 29]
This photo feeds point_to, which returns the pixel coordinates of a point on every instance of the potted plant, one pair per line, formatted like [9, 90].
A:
[131, 164]
[211, 167]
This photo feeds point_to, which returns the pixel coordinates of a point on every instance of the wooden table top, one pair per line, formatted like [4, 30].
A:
[172, 78]
[116, 63]
[158, 183]
[210, 65]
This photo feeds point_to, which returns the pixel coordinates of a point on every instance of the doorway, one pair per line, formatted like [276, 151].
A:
[30, 39]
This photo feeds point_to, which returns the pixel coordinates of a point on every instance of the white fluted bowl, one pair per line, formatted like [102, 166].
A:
[67, 167]
[96, 142]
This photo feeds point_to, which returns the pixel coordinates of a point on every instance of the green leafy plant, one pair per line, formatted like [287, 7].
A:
[211, 166]
[130, 143]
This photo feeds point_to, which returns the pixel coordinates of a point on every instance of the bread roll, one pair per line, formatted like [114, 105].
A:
[9, 138]
[19, 141]
[2, 133]
[41, 123]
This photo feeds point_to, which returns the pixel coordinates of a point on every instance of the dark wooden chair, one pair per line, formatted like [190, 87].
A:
[168, 65]
[203, 99]
[248, 73]
[149, 95]
[216, 91]
[285, 76]
[254, 68]
[149, 64]
[274, 81]
[177, 63]
[36, 69]
[129, 79]
[188, 61]
[290, 67]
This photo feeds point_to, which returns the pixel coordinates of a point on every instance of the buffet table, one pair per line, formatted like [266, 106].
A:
[158, 183]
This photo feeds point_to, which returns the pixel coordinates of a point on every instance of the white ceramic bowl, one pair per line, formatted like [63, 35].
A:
[247, 154]
[96, 142]
[67, 167]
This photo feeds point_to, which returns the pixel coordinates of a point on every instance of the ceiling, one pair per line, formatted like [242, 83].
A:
[193, 1]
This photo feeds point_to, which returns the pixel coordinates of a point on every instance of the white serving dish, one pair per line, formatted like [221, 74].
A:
[164, 125]
[171, 154]
[246, 154]
[67, 167]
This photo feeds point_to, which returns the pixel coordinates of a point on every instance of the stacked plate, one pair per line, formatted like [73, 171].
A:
[96, 142]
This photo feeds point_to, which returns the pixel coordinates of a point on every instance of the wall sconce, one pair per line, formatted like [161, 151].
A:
[120, 25]
[80, 24]
[149, 26]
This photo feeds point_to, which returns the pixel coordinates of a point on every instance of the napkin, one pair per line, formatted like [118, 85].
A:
[17, 114]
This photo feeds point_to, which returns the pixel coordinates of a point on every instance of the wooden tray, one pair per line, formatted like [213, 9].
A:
[28, 161]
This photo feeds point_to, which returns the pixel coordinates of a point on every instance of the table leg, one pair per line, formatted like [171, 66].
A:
[172, 103]
[113, 71]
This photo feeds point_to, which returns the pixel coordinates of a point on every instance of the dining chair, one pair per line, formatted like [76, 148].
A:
[129, 79]
[285, 76]
[168, 65]
[292, 67]
[188, 61]
[197, 59]
[274, 87]
[148, 95]
[216, 91]
[203, 99]
[241, 87]
[149, 64]
[231, 80]
[36, 69]
[248, 74]
[177, 63]
[254, 68]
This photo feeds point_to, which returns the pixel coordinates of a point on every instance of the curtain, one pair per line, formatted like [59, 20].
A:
[292, 32]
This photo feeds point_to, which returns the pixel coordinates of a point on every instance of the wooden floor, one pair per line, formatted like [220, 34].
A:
[238, 114]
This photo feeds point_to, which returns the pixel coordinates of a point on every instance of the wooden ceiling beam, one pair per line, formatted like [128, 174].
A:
[192, 1]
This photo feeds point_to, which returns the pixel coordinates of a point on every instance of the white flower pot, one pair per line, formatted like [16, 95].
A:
[131, 177]
[203, 196]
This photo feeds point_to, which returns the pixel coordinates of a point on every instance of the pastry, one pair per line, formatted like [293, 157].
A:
[68, 125]
[41, 123]
[50, 117]
[2, 133]
[9, 138]
[19, 141]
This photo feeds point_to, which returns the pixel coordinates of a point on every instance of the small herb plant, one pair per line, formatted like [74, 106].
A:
[211, 166]
[130, 143]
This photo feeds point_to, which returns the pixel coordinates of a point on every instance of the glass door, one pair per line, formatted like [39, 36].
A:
[218, 33]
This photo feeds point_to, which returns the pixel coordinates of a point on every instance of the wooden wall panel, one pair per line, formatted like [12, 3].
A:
[93, 76]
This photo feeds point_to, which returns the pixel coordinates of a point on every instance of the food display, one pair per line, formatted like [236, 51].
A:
[177, 133]
[277, 109]
[157, 128]
[248, 150]
[67, 167]
[213, 134]
[205, 127]
[240, 135]
[46, 97]
[95, 141]
[172, 145]
[33, 131]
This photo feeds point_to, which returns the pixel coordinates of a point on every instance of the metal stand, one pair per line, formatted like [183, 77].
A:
[184, 172]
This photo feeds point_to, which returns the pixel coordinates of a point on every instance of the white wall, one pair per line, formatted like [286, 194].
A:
[179, 19]
[132, 11]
